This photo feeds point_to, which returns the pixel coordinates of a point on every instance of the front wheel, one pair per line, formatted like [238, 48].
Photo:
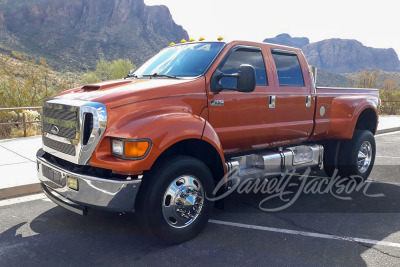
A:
[172, 201]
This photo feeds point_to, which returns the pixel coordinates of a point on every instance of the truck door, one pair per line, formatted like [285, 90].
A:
[294, 101]
[242, 120]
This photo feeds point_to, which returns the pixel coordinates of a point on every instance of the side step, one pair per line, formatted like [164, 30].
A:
[274, 163]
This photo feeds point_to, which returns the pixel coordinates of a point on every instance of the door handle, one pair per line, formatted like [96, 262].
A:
[271, 101]
[308, 101]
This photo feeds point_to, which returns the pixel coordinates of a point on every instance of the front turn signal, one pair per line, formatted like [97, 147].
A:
[136, 149]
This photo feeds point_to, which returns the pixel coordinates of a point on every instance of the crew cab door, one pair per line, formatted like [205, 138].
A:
[242, 120]
[294, 98]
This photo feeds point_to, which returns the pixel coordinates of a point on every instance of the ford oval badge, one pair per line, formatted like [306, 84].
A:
[54, 130]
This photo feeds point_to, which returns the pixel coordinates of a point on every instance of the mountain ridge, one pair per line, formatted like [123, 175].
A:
[65, 32]
[342, 55]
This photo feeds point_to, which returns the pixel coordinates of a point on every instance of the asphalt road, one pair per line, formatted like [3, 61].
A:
[317, 229]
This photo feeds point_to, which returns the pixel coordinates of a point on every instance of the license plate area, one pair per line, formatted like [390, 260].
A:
[54, 176]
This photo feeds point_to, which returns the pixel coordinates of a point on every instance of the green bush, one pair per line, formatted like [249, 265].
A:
[108, 70]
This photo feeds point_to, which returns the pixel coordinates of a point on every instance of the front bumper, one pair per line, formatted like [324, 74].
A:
[94, 192]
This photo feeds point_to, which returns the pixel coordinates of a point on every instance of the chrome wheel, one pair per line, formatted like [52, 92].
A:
[183, 201]
[364, 157]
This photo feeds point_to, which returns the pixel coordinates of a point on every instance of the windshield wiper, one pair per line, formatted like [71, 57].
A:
[160, 75]
[130, 75]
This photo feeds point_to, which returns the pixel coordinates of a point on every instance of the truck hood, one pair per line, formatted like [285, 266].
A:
[125, 91]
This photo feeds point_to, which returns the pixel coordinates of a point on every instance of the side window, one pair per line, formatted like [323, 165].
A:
[244, 56]
[288, 69]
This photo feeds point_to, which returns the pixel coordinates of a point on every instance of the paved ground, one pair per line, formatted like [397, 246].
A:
[18, 161]
[316, 230]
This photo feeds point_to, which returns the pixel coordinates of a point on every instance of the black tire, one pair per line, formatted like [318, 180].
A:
[149, 205]
[348, 155]
[329, 157]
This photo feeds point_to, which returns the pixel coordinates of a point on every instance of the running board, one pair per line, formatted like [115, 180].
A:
[274, 163]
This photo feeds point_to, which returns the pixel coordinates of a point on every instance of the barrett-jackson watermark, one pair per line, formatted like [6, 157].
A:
[288, 190]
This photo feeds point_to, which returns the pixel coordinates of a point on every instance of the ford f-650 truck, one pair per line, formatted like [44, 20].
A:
[158, 141]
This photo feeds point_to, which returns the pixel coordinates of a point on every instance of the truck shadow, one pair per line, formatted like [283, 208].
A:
[314, 195]
[101, 238]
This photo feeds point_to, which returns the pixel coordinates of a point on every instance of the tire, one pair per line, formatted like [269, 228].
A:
[329, 157]
[165, 189]
[349, 157]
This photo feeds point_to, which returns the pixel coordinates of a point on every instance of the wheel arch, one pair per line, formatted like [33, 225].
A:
[367, 120]
[200, 149]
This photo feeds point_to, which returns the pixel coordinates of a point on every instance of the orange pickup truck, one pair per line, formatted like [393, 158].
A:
[158, 141]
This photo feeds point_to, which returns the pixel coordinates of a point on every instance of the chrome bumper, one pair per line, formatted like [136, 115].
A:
[100, 193]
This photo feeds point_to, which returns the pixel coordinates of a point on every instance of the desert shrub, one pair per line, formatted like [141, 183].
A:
[25, 82]
[108, 70]
[390, 102]
[17, 130]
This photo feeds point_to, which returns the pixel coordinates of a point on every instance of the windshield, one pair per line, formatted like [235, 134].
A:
[181, 60]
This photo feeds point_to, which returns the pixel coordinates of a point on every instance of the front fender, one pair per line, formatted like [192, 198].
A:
[163, 130]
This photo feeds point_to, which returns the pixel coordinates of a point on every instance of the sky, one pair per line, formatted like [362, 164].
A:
[374, 23]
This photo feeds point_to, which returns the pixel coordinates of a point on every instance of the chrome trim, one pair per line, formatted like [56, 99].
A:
[217, 103]
[183, 201]
[313, 73]
[83, 153]
[101, 193]
[272, 100]
[63, 202]
[232, 166]
[273, 163]
[364, 157]
[308, 101]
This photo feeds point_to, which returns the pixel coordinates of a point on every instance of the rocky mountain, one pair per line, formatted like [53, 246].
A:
[74, 34]
[286, 39]
[341, 55]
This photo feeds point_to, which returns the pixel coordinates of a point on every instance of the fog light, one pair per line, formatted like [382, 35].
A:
[73, 183]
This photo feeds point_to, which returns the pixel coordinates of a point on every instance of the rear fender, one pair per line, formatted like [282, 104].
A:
[345, 112]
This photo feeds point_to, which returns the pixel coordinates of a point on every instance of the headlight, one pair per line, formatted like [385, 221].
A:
[130, 149]
[117, 147]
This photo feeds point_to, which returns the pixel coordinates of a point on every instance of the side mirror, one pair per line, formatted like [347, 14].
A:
[246, 79]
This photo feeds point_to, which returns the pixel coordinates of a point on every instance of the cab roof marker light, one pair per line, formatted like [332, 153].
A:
[171, 44]
[183, 41]
[220, 38]
[201, 39]
[191, 40]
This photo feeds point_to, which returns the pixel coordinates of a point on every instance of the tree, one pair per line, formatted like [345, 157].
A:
[389, 84]
[109, 70]
[24, 82]
[366, 79]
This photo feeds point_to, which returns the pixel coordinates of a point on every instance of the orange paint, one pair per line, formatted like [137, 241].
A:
[167, 111]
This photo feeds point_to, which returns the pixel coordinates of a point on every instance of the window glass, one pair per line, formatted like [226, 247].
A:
[288, 69]
[240, 57]
[191, 59]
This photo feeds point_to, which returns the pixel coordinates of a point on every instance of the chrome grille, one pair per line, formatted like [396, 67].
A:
[73, 128]
[66, 132]
[59, 146]
[59, 112]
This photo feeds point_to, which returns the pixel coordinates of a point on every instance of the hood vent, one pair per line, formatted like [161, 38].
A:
[91, 87]
[104, 85]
